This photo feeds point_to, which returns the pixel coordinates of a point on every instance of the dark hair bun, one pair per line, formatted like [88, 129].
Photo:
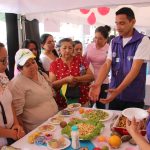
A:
[107, 28]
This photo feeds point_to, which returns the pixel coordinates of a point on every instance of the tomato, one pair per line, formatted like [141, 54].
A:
[97, 148]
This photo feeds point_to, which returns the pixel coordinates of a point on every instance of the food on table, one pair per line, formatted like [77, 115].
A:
[81, 110]
[74, 106]
[83, 148]
[96, 114]
[46, 127]
[116, 133]
[97, 148]
[131, 141]
[32, 137]
[66, 112]
[48, 136]
[125, 138]
[101, 138]
[63, 124]
[105, 148]
[57, 143]
[87, 129]
[40, 140]
[115, 141]
[57, 119]
[122, 123]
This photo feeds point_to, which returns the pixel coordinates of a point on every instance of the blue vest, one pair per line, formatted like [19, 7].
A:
[122, 59]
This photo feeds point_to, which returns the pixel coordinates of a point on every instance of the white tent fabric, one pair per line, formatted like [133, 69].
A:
[38, 6]
[68, 10]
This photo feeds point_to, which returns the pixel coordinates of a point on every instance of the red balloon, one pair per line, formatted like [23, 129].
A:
[91, 19]
[84, 11]
[103, 10]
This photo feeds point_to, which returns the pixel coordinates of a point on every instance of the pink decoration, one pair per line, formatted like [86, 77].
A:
[91, 19]
[103, 10]
[84, 11]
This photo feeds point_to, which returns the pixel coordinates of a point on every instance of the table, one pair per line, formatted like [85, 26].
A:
[147, 91]
[24, 145]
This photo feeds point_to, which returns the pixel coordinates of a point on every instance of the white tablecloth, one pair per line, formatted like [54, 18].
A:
[147, 91]
[24, 145]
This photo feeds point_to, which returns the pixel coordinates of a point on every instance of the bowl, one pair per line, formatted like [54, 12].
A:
[74, 106]
[138, 113]
[120, 126]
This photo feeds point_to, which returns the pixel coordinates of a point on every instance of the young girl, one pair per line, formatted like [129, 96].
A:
[10, 130]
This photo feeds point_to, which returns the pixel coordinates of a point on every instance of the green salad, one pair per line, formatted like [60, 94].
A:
[87, 129]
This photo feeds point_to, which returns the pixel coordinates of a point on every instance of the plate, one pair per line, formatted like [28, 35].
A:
[56, 120]
[66, 113]
[98, 114]
[47, 127]
[74, 106]
[138, 113]
[67, 143]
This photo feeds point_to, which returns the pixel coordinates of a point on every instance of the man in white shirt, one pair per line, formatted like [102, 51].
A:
[126, 59]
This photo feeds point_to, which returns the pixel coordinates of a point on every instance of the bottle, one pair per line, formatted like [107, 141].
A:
[82, 70]
[75, 137]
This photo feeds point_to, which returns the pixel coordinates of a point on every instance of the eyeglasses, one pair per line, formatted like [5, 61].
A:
[4, 60]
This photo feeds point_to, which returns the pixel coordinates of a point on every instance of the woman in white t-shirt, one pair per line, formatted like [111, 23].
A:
[9, 126]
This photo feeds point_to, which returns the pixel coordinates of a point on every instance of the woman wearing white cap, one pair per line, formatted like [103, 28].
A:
[32, 95]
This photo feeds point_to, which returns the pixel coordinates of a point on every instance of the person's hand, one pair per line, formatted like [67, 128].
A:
[112, 93]
[94, 92]
[13, 134]
[132, 126]
[19, 129]
[148, 110]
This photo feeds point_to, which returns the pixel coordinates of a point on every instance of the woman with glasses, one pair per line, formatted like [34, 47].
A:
[10, 130]
[96, 54]
[48, 53]
[32, 95]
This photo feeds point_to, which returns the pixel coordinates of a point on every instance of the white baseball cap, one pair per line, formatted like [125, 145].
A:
[22, 55]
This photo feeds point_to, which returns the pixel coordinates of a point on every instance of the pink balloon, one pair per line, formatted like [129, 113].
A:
[103, 10]
[84, 11]
[91, 19]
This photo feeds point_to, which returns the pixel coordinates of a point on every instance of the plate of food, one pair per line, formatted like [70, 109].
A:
[58, 144]
[47, 127]
[138, 113]
[66, 112]
[98, 114]
[56, 119]
[87, 129]
[74, 106]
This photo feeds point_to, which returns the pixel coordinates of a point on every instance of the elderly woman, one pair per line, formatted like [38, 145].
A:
[70, 70]
[9, 126]
[32, 95]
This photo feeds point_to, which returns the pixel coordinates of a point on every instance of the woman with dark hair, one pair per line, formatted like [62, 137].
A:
[48, 54]
[9, 125]
[96, 54]
[78, 47]
[33, 47]
[72, 71]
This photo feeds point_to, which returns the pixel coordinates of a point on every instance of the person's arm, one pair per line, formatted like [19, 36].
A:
[131, 126]
[8, 133]
[95, 88]
[88, 77]
[58, 83]
[135, 69]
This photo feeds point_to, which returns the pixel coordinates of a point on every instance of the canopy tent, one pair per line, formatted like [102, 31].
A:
[68, 10]
[38, 6]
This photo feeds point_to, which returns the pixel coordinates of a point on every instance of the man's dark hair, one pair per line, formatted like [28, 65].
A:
[126, 11]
